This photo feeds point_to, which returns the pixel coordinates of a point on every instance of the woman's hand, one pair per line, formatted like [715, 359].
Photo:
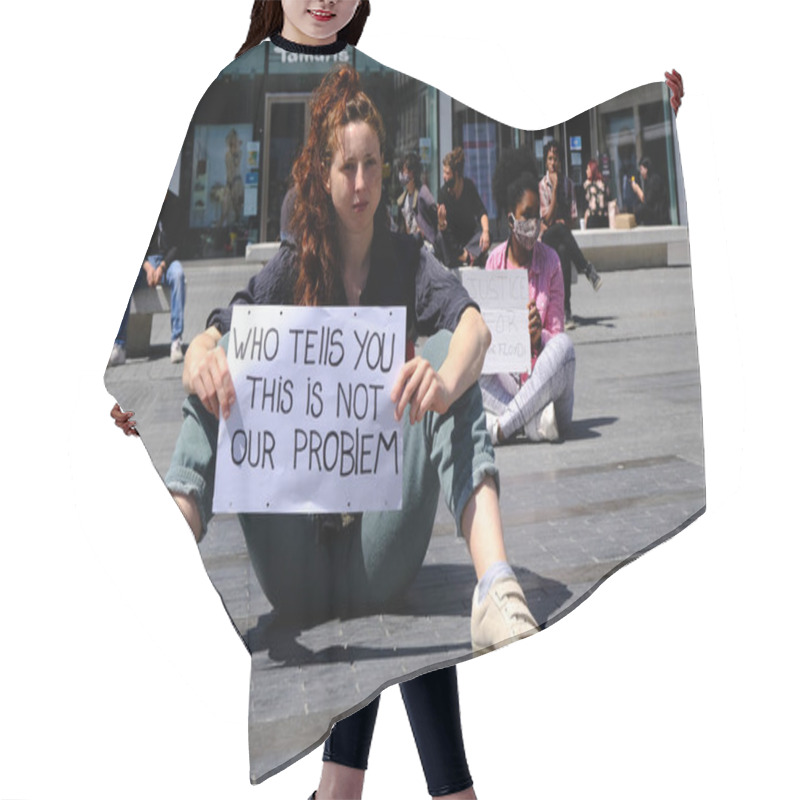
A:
[149, 273]
[206, 374]
[441, 214]
[422, 388]
[534, 328]
[485, 241]
[124, 420]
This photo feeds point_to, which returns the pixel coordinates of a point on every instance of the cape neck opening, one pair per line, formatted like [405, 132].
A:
[309, 49]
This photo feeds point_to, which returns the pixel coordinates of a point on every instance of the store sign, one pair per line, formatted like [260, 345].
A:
[425, 149]
[253, 150]
[575, 142]
[282, 62]
[312, 429]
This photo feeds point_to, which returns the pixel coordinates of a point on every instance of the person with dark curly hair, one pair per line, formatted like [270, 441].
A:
[538, 403]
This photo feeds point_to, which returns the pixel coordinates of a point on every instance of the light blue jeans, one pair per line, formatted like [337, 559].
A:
[176, 281]
[311, 571]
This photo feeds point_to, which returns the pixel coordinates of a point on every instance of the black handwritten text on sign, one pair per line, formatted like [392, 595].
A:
[503, 298]
[312, 428]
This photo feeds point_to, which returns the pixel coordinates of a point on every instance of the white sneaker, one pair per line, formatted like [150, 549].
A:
[491, 426]
[176, 351]
[502, 616]
[543, 427]
[118, 355]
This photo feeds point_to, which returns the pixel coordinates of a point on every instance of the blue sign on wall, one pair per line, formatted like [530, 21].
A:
[574, 142]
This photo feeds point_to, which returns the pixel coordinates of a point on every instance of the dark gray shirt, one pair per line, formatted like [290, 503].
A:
[402, 274]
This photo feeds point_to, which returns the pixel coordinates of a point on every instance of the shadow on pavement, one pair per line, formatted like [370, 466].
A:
[278, 638]
[585, 428]
[601, 322]
[280, 643]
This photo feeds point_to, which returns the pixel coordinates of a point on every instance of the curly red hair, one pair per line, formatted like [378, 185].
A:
[338, 101]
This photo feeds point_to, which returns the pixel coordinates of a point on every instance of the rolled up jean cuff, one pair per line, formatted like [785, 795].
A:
[181, 480]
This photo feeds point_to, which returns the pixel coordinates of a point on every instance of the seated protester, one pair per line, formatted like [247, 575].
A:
[652, 208]
[558, 210]
[160, 267]
[596, 194]
[463, 221]
[418, 214]
[344, 254]
[539, 404]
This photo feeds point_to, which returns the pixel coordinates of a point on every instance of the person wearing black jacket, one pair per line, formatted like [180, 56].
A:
[463, 222]
[160, 266]
[652, 206]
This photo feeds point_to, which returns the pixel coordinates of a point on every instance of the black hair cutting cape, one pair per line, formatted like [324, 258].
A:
[625, 476]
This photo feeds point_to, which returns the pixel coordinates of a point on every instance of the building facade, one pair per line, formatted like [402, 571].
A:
[235, 164]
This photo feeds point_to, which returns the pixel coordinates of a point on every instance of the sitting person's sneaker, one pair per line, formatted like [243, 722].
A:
[543, 427]
[176, 351]
[569, 323]
[593, 277]
[492, 426]
[502, 616]
[118, 355]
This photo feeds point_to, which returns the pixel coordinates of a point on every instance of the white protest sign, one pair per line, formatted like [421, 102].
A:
[312, 429]
[503, 298]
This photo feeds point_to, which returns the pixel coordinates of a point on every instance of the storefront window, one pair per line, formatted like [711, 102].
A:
[634, 125]
[235, 174]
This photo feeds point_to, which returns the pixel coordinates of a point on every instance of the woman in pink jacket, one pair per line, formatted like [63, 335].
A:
[539, 403]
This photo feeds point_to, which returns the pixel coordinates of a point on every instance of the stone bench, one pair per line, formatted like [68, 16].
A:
[261, 252]
[145, 301]
[632, 248]
[608, 249]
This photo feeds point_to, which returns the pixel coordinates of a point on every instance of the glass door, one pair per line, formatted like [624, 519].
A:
[287, 118]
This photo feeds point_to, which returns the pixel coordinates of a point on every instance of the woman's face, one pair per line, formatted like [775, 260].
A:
[528, 206]
[588, 173]
[356, 174]
[315, 22]
[524, 223]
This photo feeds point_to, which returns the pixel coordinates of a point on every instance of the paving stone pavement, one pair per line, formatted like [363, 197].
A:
[629, 475]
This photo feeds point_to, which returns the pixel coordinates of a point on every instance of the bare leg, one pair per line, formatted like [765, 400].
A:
[338, 782]
[467, 794]
[482, 528]
[502, 613]
[188, 506]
